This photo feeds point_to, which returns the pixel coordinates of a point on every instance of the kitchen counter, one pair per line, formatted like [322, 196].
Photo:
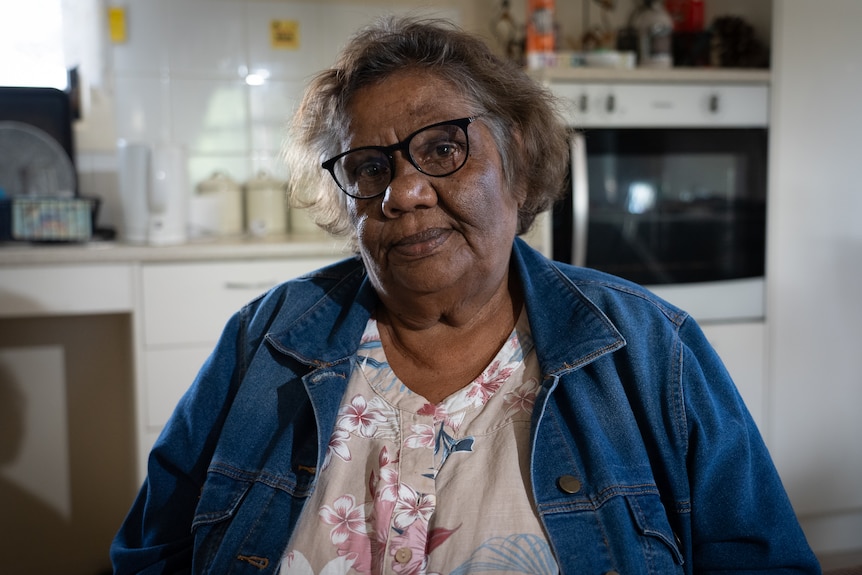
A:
[216, 249]
[655, 75]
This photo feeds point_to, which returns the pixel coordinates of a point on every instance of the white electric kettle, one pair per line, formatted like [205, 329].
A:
[153, 184]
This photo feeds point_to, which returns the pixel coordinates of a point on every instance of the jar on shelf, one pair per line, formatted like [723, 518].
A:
[265, 205]
[654, 27]
[226, 195]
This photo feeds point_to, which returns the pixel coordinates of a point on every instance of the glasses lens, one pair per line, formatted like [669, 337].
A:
[363, 173]
[439, 150]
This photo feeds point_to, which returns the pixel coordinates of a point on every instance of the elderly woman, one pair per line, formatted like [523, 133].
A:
[450, 401]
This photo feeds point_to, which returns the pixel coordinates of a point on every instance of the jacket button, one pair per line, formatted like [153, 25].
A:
[569, 484]
[403, 555]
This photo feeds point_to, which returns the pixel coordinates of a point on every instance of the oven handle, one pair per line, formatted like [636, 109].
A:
[580, 199]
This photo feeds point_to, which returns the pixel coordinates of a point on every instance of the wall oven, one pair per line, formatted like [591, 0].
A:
[667, 188]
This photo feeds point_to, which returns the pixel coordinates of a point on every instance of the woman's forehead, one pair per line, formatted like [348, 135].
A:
[399, 104]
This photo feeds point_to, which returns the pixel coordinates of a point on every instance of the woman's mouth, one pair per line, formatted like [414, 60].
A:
[421, 244]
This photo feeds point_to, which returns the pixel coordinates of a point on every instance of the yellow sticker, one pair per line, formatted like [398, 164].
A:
[284, 34]
[117, 24]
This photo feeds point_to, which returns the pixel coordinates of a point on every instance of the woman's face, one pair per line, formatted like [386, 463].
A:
[447, 235]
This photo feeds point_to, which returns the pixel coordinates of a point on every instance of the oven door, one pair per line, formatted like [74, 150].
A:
[672, 209]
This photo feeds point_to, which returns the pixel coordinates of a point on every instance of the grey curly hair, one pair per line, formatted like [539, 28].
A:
[536, 158]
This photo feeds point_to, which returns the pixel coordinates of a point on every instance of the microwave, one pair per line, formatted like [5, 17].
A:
[667, 188]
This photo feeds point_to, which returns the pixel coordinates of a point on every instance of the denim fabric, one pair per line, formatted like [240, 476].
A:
[644, 458]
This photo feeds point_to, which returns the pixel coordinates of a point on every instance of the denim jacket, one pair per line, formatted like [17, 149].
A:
[644, 458]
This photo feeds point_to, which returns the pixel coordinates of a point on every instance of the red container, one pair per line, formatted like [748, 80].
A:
[687, 15]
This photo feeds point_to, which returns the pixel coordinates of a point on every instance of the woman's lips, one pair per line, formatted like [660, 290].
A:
[421, 244]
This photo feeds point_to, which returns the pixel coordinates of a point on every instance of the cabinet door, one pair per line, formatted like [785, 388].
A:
[742, 347]
[189, 303]
[169, 373]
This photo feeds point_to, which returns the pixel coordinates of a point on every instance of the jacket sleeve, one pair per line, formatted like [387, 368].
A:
[741, 518]
[156, 536]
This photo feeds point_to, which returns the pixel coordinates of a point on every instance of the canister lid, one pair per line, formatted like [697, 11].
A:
[264, 181]
[218, 182]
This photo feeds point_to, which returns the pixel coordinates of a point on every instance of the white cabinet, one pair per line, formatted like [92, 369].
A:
[742, 347]
[644, 104]
[38, 291]
[183, 309]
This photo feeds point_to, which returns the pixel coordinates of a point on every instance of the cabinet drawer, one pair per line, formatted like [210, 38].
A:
[190, 303]
[65, 290]
[651, 105]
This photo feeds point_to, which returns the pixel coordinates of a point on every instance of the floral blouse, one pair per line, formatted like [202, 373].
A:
[408, 487]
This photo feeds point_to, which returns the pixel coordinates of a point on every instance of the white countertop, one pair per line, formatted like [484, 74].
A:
[237, 248]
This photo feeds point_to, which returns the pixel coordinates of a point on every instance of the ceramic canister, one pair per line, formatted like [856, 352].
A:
[228, 198]
[265, 205]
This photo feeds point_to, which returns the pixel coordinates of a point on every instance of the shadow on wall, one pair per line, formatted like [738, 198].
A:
[26, 521]
[41, 530]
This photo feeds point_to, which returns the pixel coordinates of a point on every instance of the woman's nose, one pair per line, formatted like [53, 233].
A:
[409, 190]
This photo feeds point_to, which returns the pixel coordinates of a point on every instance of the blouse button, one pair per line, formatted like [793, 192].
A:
[569, 484]
[403, 555]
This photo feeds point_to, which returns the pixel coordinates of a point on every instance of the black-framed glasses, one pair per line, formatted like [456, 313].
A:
[437, 150]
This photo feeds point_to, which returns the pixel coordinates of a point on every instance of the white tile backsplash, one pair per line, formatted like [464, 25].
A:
[143, 108]
[271, 106]
[210, 116]
[144, 51]
[181, 77]
[286, 63]
[206, 39]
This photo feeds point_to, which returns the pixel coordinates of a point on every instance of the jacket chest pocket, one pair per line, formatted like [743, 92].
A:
[627, 534]
[658, 538]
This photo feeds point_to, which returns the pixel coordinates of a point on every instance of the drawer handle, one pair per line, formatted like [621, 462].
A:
[261, 285]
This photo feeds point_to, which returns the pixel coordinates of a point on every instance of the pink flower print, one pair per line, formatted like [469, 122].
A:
[423, 436]
[522, 398]
[384, 458]
[345, 516]
[484, 386]
[337, 446]
[437, 412]
[358, 417]
[384, 485]
[411, 506]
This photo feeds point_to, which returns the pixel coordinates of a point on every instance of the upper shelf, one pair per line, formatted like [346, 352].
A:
[654, 75]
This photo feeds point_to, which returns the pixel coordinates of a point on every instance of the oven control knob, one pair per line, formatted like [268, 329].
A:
[611, 104]
[714, 103]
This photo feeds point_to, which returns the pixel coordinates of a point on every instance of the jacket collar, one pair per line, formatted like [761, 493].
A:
[569, 330]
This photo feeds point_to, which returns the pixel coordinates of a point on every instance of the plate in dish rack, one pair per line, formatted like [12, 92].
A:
[32, 163]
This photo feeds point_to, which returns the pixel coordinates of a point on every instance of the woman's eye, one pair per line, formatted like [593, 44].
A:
[437, 151]
[371, 171]
[446, 149]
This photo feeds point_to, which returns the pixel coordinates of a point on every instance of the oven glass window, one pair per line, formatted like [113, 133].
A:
[671, 206]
